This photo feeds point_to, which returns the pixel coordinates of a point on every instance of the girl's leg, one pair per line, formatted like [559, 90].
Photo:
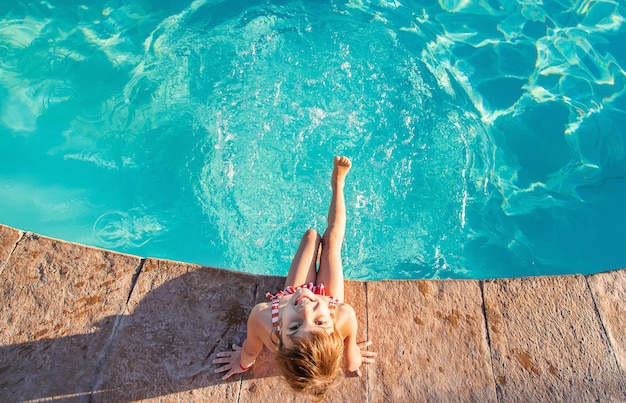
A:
[303, 266]
[331, 268]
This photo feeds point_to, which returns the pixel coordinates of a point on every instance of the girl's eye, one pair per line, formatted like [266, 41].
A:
[294, 328]
[320, 322]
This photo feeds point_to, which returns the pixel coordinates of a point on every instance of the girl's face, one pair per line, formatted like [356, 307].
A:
[304, 314]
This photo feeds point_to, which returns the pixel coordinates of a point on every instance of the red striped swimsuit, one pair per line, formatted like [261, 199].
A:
[316, 289]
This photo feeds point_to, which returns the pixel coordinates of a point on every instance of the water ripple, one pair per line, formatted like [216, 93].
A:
[466, 120]
[133, 229]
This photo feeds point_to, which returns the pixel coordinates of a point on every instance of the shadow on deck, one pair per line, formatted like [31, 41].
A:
[85, 324]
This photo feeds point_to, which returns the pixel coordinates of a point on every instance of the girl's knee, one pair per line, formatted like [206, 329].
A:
[332, 239]
[312, 235]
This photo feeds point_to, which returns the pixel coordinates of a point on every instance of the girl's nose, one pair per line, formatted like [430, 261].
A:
[307, 309]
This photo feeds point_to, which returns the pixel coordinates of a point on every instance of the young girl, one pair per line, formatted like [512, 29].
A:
[311, 329]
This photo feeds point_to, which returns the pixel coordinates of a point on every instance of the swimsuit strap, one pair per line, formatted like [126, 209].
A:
[332, 304]
[316, 289]
[275, 323]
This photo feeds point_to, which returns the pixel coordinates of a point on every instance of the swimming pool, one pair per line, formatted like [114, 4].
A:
[487, 138]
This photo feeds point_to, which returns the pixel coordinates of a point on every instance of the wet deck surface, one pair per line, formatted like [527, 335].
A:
[85, 324]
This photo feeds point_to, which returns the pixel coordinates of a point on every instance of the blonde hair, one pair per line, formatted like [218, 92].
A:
[314, 365]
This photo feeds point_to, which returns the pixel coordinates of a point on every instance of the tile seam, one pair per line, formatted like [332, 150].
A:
[118, 319]
[368, 397]
[13, 248]
[604, 330]
[481, 285]
[133, 281]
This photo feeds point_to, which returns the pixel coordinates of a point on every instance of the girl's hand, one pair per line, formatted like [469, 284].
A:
[231, 361]
[367, 357]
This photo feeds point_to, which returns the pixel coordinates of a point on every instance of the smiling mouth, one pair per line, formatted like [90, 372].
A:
[300, 298]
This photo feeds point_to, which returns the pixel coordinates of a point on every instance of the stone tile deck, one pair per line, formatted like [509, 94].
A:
[85, 324]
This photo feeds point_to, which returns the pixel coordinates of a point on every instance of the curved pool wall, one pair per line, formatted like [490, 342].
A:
[484, 134]
[87, 324]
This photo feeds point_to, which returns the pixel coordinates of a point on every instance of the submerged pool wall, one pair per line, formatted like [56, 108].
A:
[86, 324]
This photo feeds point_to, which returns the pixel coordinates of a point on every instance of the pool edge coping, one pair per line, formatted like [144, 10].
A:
[615, 345]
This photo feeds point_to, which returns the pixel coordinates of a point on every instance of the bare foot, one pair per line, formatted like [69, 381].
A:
[340, 170]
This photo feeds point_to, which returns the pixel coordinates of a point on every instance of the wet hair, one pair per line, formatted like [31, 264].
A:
[314, 365]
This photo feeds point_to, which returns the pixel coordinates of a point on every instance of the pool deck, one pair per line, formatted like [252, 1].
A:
[86, 324]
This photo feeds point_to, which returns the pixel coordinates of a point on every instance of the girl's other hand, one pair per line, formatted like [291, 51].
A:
[366, 356]
[231, 361]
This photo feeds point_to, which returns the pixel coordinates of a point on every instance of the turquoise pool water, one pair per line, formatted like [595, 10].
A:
[488, 138]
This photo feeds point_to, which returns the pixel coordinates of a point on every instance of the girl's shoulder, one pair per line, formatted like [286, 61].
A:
[344, 309]
[260, 324]
[261, 313]
[345, 319]
[261, 308]
[261, 316]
